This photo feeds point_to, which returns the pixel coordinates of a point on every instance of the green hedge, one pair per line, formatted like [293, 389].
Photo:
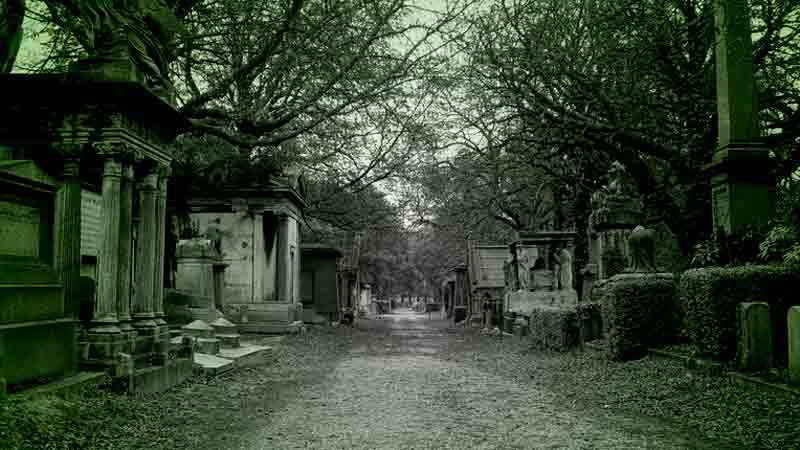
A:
[710, 299]
[639, 311]
[556, 328]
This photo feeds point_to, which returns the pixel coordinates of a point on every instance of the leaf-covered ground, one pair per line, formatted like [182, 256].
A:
[405, 383]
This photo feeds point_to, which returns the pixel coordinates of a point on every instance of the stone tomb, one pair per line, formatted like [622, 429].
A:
[111, 138]
[549, 306]
[218, 346]
[257, 232]
[37, 334]
[318, 283]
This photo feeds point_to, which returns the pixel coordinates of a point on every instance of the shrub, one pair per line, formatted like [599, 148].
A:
[557, 328]
[710, 299]
[639, 311]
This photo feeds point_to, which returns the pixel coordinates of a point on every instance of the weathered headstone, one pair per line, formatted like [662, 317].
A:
[793, 319]
[755, 341]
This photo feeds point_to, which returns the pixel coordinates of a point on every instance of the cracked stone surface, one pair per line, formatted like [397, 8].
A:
[397, 389]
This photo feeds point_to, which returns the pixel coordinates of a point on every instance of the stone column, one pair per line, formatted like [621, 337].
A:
[158, 264]
[105, 318]
[143, 305]
[68, 234]
[739, 171]
[125, 247]
[282, 261]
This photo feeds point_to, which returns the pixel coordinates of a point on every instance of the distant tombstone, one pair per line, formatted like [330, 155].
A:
[755, 341]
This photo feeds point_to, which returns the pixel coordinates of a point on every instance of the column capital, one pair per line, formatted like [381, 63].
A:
[121, 151]
[68, 149]
[112, 168]
[71, 168]
[128, 173]
[149, 182]
[164, 170]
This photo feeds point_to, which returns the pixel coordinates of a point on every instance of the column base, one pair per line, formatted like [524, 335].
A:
[105, 328]
[144, 322]
[99, 350]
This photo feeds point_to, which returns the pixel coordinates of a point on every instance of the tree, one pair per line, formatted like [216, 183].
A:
[633, 80]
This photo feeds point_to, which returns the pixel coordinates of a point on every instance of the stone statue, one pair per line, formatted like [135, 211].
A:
[12, 13]
[124, 39]
[620, 182]
[565, 269]
[641, 251]
[524, 265]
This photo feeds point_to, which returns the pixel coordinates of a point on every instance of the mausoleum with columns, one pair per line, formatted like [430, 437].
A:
[109, 139]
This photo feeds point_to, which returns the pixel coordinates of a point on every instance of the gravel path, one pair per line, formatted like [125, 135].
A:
[397, 388]
[407, 381]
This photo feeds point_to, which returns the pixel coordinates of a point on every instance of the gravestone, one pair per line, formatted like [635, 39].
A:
[755, 340]
[793, 319]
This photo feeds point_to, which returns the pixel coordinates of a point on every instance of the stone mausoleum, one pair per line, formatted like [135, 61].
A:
[61, 135]
[257, 231]
[319, 283]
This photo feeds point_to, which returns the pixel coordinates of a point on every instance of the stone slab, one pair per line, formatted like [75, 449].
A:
[793, 320]
[160, 378]
[245, 353]
[755, 341]
[212, 365]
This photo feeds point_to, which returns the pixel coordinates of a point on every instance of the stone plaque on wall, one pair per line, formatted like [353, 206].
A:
[19, 229]
[91, 225]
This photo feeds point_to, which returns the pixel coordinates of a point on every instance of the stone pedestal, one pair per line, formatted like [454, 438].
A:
[793, 320]
[755, 340]
[199, 275]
